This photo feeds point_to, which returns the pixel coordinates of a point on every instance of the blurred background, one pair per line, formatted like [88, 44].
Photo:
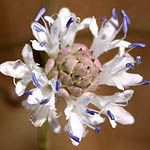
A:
[16, 133]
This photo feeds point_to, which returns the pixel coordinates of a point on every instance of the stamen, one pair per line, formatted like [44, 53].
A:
[110, 115]
[35, 81]
[97, 130]
[37, 29]
[69, 22]
[138, 60]
[42, 43]
[75, 138]
[28, 93]
[57, 85]
[91, 112]
[142, 45]
[130, 66]
[123, 13]
[145, 82]
[125, 25]
[44, 101]
[114, 14]
[103, 19]
[39, 15]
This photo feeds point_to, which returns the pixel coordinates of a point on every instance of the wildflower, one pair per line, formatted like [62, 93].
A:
[73, 72]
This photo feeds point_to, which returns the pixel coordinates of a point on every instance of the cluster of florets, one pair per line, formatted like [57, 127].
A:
[72, 72]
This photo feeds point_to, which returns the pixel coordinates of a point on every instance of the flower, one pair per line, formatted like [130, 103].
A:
[73, 72]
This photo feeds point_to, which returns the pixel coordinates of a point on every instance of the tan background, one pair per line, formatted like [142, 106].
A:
[16, 133]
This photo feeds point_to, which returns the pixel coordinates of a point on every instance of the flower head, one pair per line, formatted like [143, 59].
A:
[73, 72]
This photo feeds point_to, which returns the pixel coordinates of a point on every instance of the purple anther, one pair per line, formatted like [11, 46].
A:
[37, 29]
[91, 112]
[57, 85]
[125, 26]
[114, 14]
[123, 13]
[44, 101]
[97, 130]
[138, 60]
[75, 138]
[103, 19]
[145, 82]
[69, 22]
[35, 81]
[130, 66]
[28, 93]
[39, 15]
[110, 115]
[42, 43]
[142, 45]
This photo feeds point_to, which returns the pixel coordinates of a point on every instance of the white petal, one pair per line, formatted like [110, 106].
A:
[113, 123]
[15, 69]
[36, 46]
[67, 111]
[109, 29]
[49, 19]
[26, 105]
[76, 128]
[21, 86]
[122, 116]
[28, 54]
[84, 24]
[39, 115]
[53, 122]
[93, 27]
[120, 43]
[32, 100]
[40, 36]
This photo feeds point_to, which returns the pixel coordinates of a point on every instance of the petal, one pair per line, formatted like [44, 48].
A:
[26, 105]
[36, 46]
[53, 122]
[39, 115]
[49, 19]
[32, 100]
[76, 128]
[28, 54]
[84, 24]
[21, 86]
[15, 69]
[121, 115]
[93, 27]
[42, 34]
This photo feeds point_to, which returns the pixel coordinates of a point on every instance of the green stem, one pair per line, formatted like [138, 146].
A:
[42, 139]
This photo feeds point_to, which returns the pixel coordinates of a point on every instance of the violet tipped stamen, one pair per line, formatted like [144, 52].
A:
[145, 82]
[57, 85]
[97, 130]
[35, 81]
[123, 13]
[37, 29]
[103, 19]
[75, 138]
[111, 116]
[42, 43]
[138, 60]
[69, 22]
[39, 15]
[91, 112]
[114, 14]
[141, 45]
[130, 66]
[44, 101]
[28, 93]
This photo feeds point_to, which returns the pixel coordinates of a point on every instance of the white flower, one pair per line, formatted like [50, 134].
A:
[79, 117]
[103, 40]
[62, 31]
[20, 70]
[112, 107]
[114, 72]
[42, 102]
